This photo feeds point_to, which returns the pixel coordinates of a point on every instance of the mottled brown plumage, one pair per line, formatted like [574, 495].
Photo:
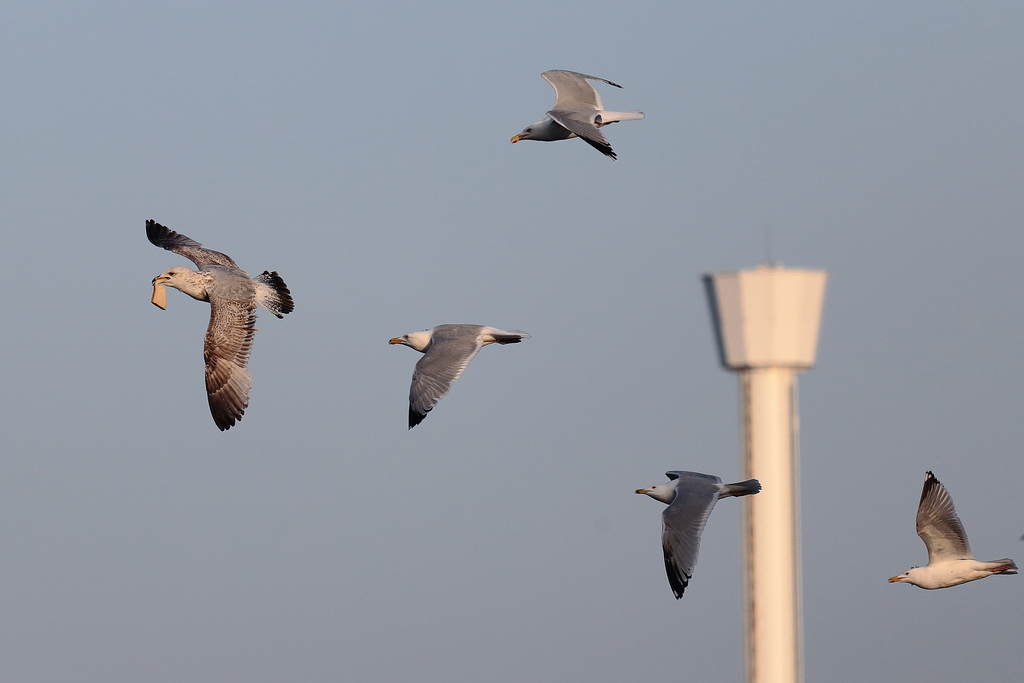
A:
[233, 297]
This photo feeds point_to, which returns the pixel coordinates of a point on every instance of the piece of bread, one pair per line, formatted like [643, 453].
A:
[160, 295]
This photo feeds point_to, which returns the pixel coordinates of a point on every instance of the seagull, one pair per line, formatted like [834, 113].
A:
[233, 297]
[578, 112]
[447, 350]
[950, 561]
[691, 496]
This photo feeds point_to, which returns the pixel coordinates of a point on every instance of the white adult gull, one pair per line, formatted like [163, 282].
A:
[447, 350]
[950, 561]
[233, 297]
[691, 496]
[578, 112]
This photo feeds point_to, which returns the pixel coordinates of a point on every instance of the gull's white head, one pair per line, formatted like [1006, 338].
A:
[907, 576]
[666, 492]
[416, 340]
[545, 131]
[525, 134]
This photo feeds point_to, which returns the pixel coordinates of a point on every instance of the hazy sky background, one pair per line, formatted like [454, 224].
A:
[363, 152]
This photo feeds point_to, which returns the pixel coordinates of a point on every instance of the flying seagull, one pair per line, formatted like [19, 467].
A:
[233, 296]
[691, 496]
[950, 561]
[578, 112]
[447, 350]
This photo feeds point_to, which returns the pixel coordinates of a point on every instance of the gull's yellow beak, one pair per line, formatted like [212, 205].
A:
[159, 294]
[517, 138]
[894, 579]
[396, 340]
[642, 490]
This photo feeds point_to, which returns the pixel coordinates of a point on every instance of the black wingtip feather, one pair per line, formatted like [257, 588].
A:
[929, 482]
[415, 418]
[155, 232]
[165, 238]
[603, 149]
[678, 586]
[223, 417]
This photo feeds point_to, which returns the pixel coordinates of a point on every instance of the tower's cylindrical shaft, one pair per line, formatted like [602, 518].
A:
[774, 630]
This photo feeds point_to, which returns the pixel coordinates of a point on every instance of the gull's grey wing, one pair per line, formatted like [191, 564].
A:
[683, 523]
[573, 90]
[938, 525]
[166, 238]
[451, 348]
[583, 125]
[226, 351]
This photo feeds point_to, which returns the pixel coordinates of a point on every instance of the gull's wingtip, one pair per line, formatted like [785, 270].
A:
[155, 232]
[415, 417]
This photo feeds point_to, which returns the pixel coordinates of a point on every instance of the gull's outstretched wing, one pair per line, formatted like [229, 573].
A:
[574, 91]
[166, 238]
[683, 523]
[938, 525]
[226, 351]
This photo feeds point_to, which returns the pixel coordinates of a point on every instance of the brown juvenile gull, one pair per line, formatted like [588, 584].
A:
[691, 496]
[233, 296]
[447, 350]
[578, 112]
[950, 561]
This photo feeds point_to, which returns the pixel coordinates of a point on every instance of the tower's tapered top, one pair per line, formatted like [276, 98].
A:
[766, 317]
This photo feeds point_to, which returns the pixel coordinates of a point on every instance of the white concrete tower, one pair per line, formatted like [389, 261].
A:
[766, 324]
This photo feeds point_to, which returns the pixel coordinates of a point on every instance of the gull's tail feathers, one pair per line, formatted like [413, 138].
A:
[493, 335]
[272, 293]
[616, 116]
[1003, 566]
[740, 488]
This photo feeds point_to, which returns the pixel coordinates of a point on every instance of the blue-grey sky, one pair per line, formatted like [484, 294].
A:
[363, 152]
